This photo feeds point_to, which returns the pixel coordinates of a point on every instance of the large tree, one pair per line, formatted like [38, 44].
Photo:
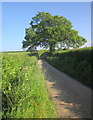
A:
[48, 31]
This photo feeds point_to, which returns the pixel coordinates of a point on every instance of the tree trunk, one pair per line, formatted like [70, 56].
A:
[52, 48]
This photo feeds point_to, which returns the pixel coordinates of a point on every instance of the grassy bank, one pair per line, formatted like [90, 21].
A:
[24, 94]
[76, 63]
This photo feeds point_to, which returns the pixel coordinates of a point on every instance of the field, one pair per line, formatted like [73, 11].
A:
[76, 63]
[24, 94]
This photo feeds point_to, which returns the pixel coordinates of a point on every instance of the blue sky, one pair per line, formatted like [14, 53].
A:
[16, 17]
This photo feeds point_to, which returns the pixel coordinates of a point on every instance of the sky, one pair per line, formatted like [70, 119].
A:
[46, 0]
[16, 16]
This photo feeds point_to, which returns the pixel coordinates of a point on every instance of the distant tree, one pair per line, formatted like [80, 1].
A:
[48, 31]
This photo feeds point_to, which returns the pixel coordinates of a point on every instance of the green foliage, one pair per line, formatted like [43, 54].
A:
[40, 52]
[24, 94]
[48, 31]
[76, 63]
[0, 84]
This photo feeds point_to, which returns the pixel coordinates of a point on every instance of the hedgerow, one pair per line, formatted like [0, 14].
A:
[76, 63]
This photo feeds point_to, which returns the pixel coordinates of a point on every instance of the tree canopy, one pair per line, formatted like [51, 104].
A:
[49, 31]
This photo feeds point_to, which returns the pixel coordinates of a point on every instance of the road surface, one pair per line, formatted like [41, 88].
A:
[71, 98]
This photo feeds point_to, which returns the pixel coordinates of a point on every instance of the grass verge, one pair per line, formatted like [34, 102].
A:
[24, 94]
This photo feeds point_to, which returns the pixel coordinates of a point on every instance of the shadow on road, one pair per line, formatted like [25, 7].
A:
[73, 96]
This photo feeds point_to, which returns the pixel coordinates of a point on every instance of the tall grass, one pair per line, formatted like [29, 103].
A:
[23, 90]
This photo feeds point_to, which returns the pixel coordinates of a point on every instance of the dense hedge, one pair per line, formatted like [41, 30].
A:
[76, 63]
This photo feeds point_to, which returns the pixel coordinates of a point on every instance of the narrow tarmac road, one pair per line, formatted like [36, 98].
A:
[71, 98]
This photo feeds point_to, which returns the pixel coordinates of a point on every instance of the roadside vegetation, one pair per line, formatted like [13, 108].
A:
[76, 63]
[40, 52]
[24, 94]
